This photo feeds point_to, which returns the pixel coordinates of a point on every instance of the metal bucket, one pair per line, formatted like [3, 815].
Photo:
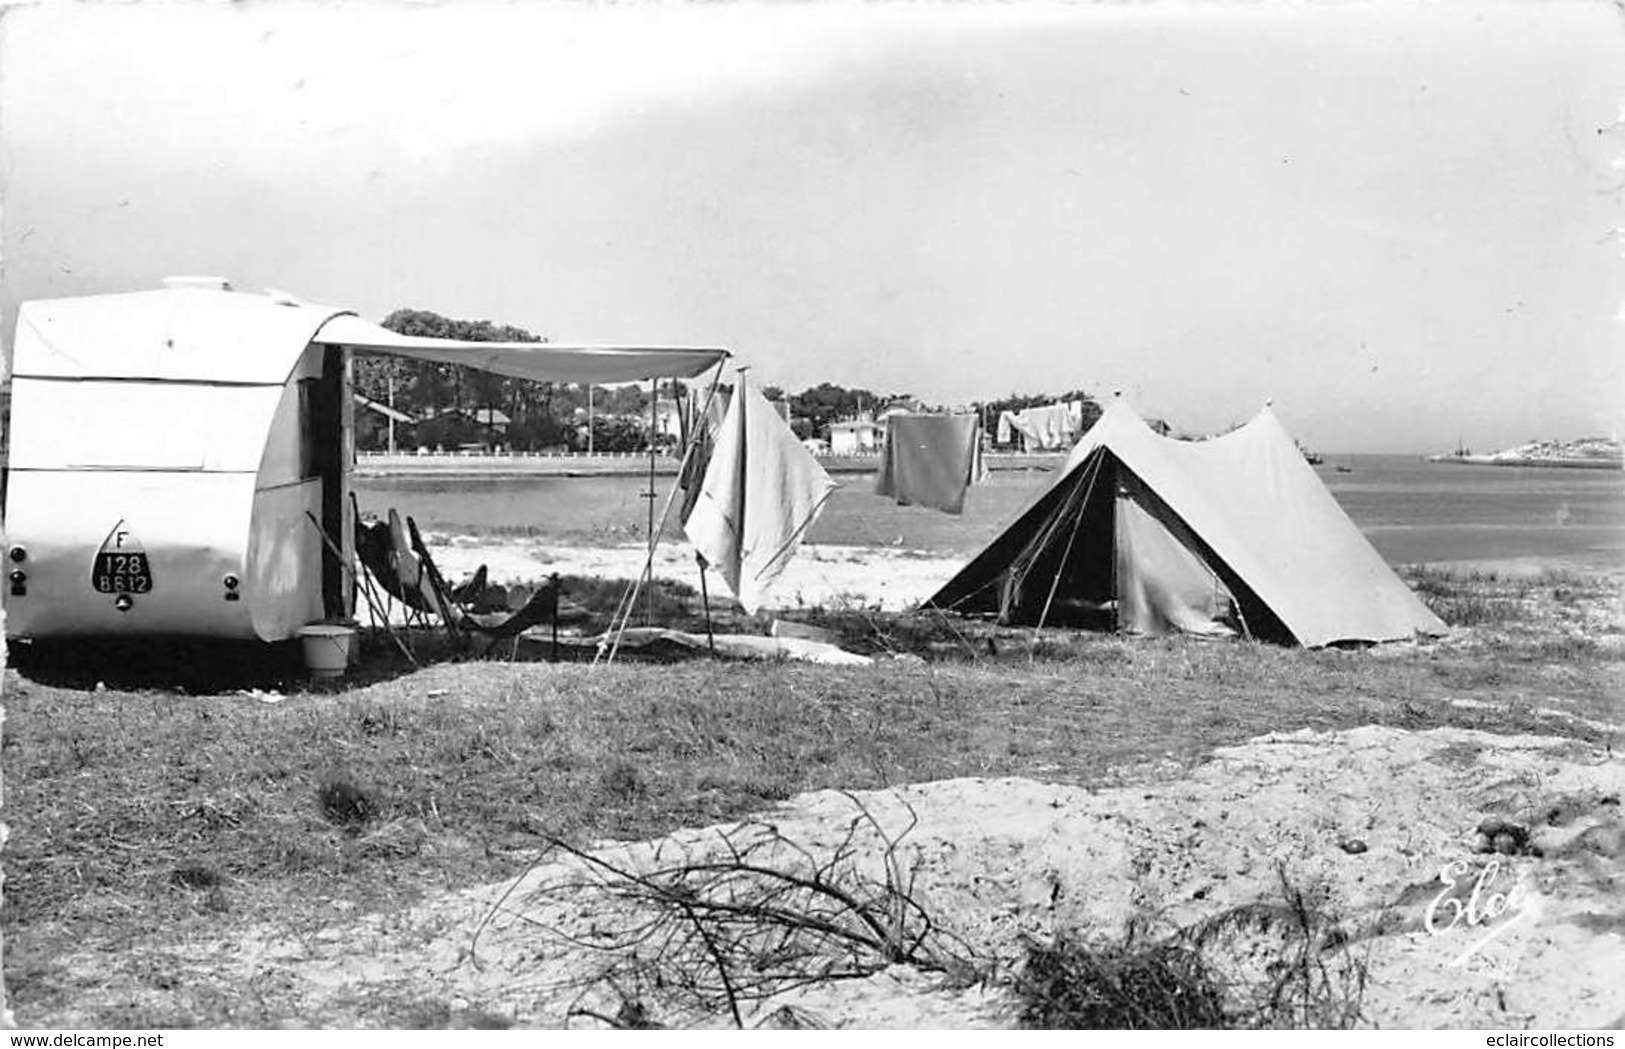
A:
[327, 648]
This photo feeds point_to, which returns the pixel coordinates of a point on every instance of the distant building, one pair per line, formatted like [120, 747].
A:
[860, 436]
[492, 419]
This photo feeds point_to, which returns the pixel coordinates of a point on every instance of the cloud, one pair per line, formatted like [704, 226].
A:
[473, 74]
[435, 78]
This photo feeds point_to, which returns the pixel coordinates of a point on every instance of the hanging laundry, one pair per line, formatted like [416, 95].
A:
[762, 491]
[701, 421]
[930, 460]
[1046, 428]
[1004, 434]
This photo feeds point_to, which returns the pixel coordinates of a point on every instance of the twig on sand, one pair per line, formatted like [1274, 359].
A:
[748, 914]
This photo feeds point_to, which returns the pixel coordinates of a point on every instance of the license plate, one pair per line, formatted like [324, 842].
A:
[125, 573]
[121, 565]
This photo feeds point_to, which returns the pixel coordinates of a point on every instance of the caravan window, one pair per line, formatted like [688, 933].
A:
[309, 458]
[318, 426]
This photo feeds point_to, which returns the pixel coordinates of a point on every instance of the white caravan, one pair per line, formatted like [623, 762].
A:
[172, 452]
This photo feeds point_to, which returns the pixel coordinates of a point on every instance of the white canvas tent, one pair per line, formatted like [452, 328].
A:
[167, 446]
[1152, 535]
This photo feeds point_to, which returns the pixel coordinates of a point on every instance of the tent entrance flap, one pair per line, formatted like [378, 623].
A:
[1163, 585]
[1105, 553]
[1063, 574]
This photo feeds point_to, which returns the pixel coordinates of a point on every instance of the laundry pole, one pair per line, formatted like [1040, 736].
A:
[649, 496]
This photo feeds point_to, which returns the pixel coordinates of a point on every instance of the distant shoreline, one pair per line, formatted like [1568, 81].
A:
[1584, 453]
[636, 464]
[627, 464]
[1550, 463]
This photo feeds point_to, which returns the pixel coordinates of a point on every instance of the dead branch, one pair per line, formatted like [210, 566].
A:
[745, 915]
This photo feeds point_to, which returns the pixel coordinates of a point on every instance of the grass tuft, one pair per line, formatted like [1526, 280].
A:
[345, 803]
[195, 876]
[623, 782]
[1135, 983]
[1268, 965]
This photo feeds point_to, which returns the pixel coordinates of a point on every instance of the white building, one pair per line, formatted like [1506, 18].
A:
[860, 436]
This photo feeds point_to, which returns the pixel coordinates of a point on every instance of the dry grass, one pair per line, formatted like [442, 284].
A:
[142, 816]
[1132, 984]
[1282, 964]
[1541, 602]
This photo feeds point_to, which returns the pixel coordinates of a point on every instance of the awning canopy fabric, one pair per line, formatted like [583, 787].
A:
[541, 361]
[215, 335]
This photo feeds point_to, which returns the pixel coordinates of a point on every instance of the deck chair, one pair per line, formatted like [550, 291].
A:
[473, 591]
[394, 566]
[543, 606]
[395, 554]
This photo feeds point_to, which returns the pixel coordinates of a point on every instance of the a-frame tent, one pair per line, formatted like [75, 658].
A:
[1151, 535]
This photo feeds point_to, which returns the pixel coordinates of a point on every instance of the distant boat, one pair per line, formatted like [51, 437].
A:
[1312, 458]
[1462, 454]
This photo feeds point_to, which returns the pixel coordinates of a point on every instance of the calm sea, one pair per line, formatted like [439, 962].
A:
[1410, 509]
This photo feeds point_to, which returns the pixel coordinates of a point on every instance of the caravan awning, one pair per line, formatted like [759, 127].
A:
[541, 361]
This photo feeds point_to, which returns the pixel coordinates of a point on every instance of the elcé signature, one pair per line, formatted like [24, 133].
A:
[1483, 904]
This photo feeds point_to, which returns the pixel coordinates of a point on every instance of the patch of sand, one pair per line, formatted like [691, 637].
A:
[819, 575]
[1007, 858]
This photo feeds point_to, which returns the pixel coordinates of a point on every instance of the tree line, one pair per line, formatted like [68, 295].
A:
[447, 401]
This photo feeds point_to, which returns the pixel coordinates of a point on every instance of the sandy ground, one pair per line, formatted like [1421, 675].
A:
[819, 575]
[1364, 820]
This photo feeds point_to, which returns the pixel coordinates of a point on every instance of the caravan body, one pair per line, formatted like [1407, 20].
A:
[166, 447]
[174, 451]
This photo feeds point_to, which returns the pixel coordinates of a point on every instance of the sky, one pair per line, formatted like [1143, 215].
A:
[1401, 223]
